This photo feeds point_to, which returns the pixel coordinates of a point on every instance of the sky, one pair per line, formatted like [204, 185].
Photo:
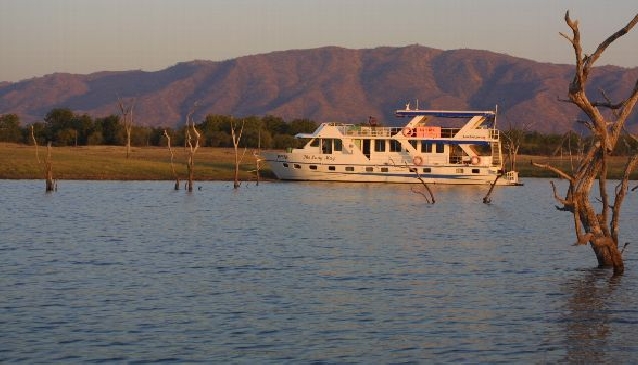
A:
[39, 37]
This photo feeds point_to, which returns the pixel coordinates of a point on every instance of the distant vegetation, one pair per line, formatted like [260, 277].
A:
[63, 127]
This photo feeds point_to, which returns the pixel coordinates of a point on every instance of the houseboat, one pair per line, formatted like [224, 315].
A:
[468, 153]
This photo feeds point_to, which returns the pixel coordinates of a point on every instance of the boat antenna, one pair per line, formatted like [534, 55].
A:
[495, 114]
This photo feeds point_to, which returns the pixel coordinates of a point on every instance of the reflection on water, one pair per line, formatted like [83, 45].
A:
[596, 324]
[303, 272]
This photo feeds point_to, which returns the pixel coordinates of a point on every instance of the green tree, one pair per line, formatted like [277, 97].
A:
[283, 141]
[10, 128]
[275, 125]
[302, 126]
[84, 126]
[112, 130]
[215, 131]
[57, 120]
[156, 136]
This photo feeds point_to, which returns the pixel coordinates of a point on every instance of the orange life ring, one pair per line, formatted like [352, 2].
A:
[475, 160]
[407, 132]
[417, 160]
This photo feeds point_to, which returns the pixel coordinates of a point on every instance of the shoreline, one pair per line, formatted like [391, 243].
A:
[211, 164]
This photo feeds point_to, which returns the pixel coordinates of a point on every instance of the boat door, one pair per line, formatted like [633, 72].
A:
[365, 148]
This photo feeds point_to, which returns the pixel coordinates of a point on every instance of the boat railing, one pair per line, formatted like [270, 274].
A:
[362, 131]
[352, 130]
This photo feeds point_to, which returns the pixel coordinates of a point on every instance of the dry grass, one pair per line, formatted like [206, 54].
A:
[565, 163]
[153, 163]
[110, 163]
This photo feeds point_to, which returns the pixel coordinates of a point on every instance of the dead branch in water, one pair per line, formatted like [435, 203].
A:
[236, 140]
[170, 149]
[46, 166]
[487, 199]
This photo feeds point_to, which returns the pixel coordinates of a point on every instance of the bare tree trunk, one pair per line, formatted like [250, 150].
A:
[258, 155]
[236, 140]
[170, 149]
[591, 226]
[46, 166]
[192, 148]
[488, 197]
[513, 139]
[430, 199]
[127, 116]
[50, 183]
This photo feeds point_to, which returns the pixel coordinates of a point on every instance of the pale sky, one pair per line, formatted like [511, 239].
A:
[39, 37]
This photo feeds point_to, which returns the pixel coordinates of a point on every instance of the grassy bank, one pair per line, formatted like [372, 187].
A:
[153, 163]
[110, 163]
[567, 164]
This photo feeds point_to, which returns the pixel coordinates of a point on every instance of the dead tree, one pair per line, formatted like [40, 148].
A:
[127, 119]
[430, 199]
[258, 161]
[190, 166]
[598, 228]
[46, 166]
[236, 140]
[513, 138]
[257, 155]
[170, 149]
[487, 199]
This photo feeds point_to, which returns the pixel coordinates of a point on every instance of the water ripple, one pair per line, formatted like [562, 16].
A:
[309, 272]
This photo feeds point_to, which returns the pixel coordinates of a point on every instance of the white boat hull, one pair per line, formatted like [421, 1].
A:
[286, 166]
[419, 152]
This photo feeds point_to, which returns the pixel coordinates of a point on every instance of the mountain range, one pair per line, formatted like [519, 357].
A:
[327, 84]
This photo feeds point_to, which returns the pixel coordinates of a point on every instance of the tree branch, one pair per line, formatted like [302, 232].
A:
[556, 170]
[603, 46]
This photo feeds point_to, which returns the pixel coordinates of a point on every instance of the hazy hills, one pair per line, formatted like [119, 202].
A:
[325, 84]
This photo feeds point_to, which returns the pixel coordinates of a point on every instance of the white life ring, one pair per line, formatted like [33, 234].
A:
[475, 160]
[417, 160]
[407, 132]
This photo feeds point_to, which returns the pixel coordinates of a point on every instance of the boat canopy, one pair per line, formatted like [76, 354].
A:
[444, 113]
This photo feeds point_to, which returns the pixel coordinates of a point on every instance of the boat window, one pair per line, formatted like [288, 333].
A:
[459, 171]
[427, 169]
[326, 146]
[313, 167]
[415, 144]
[369, 169]
[426, 147]
[366, 148]
[285, 164]
[338, 145]
[476, 171]
[384, 169]
[379, 145]
[395, 146]
[314, 143]
[297, 166]
[349, 168]
[440, 148]
[331, 168]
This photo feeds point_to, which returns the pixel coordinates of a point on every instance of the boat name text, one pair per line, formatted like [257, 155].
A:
[318, 158]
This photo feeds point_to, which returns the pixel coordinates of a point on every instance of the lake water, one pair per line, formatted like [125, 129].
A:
[304, 273]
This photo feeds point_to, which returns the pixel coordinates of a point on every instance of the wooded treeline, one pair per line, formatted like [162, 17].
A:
[63, 127]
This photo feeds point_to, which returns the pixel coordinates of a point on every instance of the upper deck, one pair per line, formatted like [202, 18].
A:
[478, 129]
[445, 113]
[336, 130]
